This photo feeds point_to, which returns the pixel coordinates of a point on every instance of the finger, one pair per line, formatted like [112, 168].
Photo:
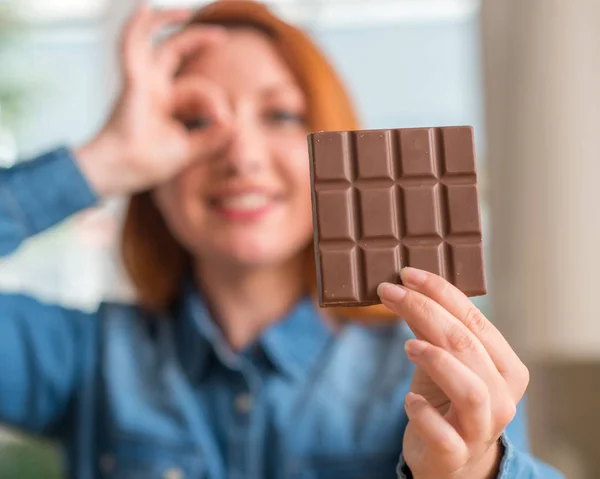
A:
[136, 44]
[138, 20]
[392, 307]
[460, 306]
[173, 51]
[163, 18]
[138, 32]
[468, 393]
[433, 322]
[195, 98]
[204, 109]
[137, 48]
[132, 35]
[441, 438]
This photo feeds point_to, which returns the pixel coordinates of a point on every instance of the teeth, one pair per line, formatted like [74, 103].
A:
[249, 201]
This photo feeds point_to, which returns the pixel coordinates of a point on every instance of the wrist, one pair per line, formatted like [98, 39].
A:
[100, 160]
[488, 467]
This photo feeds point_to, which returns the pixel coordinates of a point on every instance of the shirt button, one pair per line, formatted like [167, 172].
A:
[173, 473]
[107, 462]
[243, 403]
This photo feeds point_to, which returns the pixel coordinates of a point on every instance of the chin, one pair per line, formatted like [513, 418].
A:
[255, 252]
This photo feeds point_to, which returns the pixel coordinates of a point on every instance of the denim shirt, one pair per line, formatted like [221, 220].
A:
[133, 395]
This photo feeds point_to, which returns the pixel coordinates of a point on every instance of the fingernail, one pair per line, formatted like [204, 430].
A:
[391, 292]
[410, 399]
[414, 347]
[412, 277]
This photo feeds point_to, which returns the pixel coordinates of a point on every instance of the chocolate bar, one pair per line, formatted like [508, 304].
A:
[385, 199]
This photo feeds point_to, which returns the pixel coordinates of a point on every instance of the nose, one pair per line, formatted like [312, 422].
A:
[245, 152]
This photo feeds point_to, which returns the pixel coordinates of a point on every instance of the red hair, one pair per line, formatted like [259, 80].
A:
[153, 258]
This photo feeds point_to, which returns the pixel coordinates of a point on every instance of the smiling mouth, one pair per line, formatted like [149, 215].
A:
[243, 206]
[245, 202]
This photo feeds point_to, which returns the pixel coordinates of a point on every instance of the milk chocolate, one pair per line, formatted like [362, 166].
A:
[385, 199]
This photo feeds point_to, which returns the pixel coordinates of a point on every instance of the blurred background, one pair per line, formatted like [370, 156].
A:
[524, 73]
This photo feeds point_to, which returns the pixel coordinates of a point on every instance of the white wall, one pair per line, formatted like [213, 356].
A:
[70, 72]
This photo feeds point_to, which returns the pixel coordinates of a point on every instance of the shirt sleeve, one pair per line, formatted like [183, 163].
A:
[44, 349]
[38, 194]
[46, 352]
[517, 463]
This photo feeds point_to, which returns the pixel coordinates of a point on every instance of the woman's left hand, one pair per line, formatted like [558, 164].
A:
[466, 385]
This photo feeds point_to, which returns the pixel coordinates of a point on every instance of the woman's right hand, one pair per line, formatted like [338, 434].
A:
[144, 143]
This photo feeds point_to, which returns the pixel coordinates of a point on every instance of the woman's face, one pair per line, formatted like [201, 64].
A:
[249, 204]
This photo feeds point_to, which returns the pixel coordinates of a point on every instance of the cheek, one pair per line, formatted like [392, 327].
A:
[304, 193]
[285, 234]
[180, 209]
[297, 172]
[293, 162]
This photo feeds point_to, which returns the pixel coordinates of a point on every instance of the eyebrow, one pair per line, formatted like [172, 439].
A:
[279, 87]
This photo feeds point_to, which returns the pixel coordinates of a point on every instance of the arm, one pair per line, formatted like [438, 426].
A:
[44, 349]
[41, 346]
[44, 352]
[38, 194]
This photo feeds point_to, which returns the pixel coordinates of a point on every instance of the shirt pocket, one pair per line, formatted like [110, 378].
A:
[350, 466]
[144, 458]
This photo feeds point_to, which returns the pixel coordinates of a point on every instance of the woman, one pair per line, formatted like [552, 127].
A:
[227, 368]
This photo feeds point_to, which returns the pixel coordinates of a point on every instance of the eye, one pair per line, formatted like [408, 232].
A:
[197, 123]
[281, 117]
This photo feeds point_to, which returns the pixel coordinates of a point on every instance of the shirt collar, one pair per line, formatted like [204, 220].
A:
[295, 344]
[292, 345]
